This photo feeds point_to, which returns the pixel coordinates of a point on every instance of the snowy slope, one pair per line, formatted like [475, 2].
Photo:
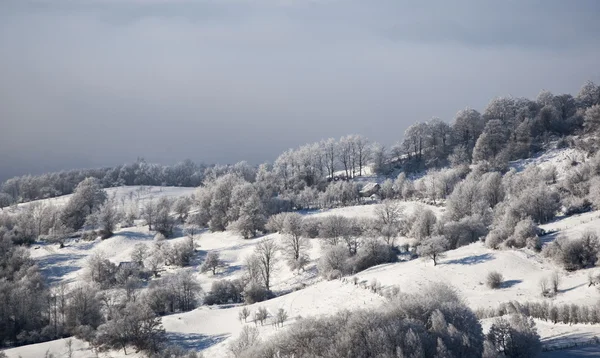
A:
[210, 329]
[562, 159]
[121, 194]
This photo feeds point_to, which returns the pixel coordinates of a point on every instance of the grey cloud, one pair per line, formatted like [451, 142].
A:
[94, 83]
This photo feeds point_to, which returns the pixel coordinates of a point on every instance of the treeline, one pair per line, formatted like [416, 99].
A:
[508, 128]
[546, 311]
[29, 187]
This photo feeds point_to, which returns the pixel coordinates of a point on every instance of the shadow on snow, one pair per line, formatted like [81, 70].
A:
[194, 341]
[471, 260]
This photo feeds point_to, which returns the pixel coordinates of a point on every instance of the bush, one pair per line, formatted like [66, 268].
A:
[525, 232]
[575, 254]
[311, 227]
[335, 258]
[494, 280]
[225, 291]
[372, 253]
[256, 293]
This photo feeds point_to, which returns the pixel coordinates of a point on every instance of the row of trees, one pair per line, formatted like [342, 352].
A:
[28, 187]
[545, 311]
[508, 128]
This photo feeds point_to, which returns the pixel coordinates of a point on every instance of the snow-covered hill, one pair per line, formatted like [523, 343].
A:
[210, 329]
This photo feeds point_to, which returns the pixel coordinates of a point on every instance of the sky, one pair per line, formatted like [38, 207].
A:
[93, 83]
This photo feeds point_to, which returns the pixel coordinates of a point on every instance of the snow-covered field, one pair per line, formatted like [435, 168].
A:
[122, 194]
[209, 329]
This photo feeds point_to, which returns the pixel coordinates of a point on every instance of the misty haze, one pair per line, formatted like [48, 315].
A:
[299, 178]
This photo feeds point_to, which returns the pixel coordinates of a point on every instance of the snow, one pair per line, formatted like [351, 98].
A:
[138, 193]
[561, 158]
[575, 225]
[368, 210]
[210, 329]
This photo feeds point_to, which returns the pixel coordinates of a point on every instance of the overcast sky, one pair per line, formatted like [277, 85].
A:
[88, 83]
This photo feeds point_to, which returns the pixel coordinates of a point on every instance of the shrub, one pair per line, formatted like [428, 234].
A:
[224, 291]
[372, 253]
[311, 227]
[248, 338]
[575, 254]
[256, 293]
[494, 280]
[335, 258]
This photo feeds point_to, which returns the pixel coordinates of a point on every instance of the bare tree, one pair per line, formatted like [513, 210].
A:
[281, 317]
[363, 152]
[329, 148]
[248, 337]
[149, 212]
[294, 245]
[265, 253]
[345, 154]
[388, 220]
[244, 314]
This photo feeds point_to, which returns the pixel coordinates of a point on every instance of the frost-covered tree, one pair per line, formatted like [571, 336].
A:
[389, 219]
[140, 253]
[212, 263]
[380, 156]
[265, 254]
[105, 218]
[163, 221]
[333, 228]
[464, 201]
[181, 207]
[149, 212]
[220, 202]
[491, 188]
[334, 262]
[433, 248]
[491, 144]
[362, 150]
[294, 245]
[588, 95]
[415, 140]
[516, 337]
[423, 223]
[87, 197]
[592, 118]
[135, 325]
[5, 200]
[466, 128]
[345, 154]
[330, 150]
[249, 337]
[251, 218]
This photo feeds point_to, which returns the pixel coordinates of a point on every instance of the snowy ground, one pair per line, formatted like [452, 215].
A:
[562, 159]
[122, 194]
[210, 329]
